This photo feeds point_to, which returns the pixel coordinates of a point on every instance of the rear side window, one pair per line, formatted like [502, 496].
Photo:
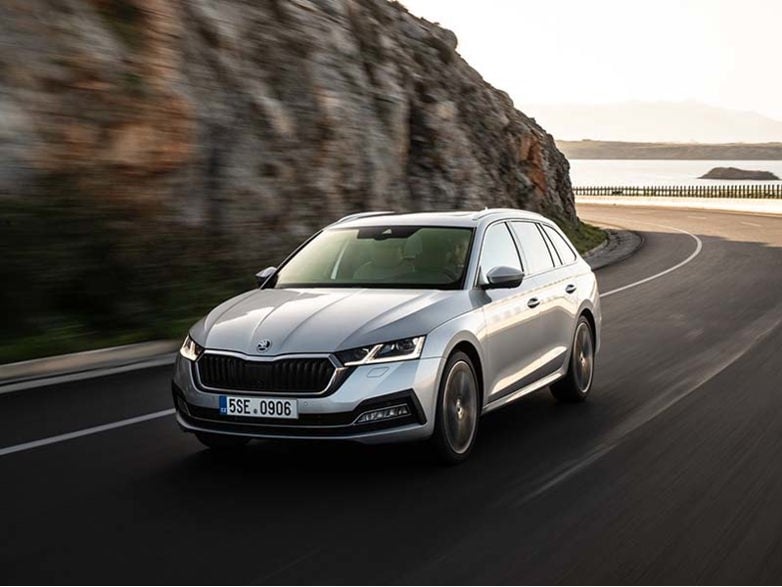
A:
[499, 250]
[563, 248]
[534, 247]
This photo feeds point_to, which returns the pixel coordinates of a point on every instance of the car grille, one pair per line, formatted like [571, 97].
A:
[283, 375]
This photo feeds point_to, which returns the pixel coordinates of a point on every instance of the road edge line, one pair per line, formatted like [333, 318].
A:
[695, 253]
[25, 446]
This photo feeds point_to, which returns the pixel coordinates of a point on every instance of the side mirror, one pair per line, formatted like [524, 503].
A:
[263, 276]
[503, 277]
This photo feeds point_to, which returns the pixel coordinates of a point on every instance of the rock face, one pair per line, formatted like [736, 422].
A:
[160, 136]
[736, 173]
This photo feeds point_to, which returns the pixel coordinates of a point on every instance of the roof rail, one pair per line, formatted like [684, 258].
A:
[358, 215]
[489, 211]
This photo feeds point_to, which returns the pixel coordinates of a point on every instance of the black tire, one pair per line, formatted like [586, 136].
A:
[577, 383]
[221, 441]
[458, 410]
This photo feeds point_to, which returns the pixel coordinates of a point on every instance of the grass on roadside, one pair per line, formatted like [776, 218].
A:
[584, 237]
[73, 339]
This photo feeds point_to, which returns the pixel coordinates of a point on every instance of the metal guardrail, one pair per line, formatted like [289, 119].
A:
[765, 190]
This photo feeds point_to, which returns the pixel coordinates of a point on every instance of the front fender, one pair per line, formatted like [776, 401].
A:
[469, 328]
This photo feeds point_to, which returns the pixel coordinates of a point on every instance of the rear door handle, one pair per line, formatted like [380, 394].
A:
[533, 302]
[570, 288]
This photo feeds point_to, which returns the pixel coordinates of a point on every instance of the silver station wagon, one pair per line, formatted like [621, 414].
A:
[390, 327]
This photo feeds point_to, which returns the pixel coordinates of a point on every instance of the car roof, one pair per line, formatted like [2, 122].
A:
[455, 218]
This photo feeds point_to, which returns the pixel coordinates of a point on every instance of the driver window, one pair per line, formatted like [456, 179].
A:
[498, 249]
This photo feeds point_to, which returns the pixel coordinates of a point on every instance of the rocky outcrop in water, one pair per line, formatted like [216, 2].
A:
[734, 173]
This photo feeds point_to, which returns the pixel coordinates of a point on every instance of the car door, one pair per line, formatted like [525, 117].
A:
[566, 287]
[512, 333]
[544, 281]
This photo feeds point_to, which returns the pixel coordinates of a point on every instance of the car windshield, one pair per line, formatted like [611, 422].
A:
[418, 257]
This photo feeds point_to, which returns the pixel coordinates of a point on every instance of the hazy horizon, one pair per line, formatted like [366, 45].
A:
[608, 54]
[659, 122]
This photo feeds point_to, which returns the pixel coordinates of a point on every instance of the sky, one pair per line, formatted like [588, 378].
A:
[717, 52]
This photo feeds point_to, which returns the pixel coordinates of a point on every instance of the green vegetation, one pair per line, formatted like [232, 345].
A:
[82, 272]
[584, 236]
[67, 339]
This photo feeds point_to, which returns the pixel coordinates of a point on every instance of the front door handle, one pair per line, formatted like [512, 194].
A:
[570, 288]
[533, 302]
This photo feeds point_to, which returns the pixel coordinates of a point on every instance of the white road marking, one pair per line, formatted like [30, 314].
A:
[750, 223]
[698, 247]
[84, 432]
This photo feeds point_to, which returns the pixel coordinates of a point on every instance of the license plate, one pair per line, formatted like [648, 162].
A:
[259, 407]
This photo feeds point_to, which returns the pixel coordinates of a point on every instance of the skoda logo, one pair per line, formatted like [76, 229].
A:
[263, 345]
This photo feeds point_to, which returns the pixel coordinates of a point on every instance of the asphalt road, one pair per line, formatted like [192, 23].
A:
[671, 473]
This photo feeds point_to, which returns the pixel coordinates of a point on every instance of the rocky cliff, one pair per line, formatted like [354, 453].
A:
[148, 140]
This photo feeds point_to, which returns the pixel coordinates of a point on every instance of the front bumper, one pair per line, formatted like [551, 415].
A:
[333, 416]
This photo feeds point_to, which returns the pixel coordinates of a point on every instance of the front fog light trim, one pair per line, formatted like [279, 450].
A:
[385, 413]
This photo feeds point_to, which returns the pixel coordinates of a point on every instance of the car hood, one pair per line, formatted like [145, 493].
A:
[325, 320]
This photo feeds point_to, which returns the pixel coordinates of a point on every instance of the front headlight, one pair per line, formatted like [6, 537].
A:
[191, 349]
[398, 350]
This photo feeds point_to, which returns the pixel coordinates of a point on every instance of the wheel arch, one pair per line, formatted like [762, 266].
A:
[589, 313]
[471, 351]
